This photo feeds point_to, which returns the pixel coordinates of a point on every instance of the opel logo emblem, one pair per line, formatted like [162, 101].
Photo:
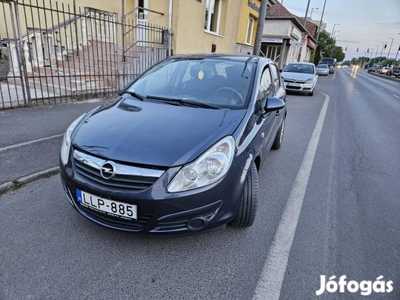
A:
[107, 170]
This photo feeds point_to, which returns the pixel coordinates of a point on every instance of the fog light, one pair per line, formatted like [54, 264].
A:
[196, 223]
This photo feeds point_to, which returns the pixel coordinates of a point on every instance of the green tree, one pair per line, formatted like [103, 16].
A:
[327, 48]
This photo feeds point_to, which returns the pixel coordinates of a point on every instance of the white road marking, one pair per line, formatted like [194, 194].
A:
[398, 97]
[30, 142]
[270, 283]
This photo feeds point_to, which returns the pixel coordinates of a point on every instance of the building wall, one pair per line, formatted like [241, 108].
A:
[189, 35]
[278, 27]
[188, 18]
[159, 6]
[248, 9]
[294, 42]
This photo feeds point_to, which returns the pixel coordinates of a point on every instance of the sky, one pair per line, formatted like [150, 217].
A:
[362, 24]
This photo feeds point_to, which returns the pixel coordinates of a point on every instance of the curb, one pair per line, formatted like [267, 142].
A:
[17, 183]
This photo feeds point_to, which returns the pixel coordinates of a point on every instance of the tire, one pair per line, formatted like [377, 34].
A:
[247, 208]
[311, 93]
[279, 136]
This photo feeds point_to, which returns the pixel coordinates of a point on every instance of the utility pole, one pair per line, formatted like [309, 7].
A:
[260, 27]
[305, 17]
[320, 22]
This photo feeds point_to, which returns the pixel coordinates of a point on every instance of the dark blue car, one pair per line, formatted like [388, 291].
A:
[179, 149]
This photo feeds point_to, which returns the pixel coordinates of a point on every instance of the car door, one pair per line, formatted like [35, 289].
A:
[268, 88]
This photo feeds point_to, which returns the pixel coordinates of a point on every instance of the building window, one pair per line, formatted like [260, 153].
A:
[213, 15]
[250, 28]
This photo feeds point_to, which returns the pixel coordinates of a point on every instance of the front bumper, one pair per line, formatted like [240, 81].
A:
[299, 87]
[159, 211]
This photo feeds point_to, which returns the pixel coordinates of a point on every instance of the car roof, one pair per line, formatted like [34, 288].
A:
[236, 57]
[301, 63]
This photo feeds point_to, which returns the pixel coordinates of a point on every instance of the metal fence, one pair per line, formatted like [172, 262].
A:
[56, 52]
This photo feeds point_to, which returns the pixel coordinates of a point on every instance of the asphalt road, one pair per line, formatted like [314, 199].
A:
[334, 185]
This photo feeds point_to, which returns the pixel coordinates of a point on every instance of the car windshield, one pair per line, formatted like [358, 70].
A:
[299, 68]
[322, 66]
[213, 81]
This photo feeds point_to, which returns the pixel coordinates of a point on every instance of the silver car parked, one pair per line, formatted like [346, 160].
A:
[300, 77]
[323, 69]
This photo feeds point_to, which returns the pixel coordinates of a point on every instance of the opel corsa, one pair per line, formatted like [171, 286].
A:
[179, 149]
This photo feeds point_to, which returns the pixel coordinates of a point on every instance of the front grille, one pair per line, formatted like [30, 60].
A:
[124, 177]
[294, 87]
[294, 81]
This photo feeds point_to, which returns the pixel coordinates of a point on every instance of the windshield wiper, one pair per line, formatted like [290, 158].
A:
[183, 102]
[136, 95]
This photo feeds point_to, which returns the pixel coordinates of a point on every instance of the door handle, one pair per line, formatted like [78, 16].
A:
[277, 113]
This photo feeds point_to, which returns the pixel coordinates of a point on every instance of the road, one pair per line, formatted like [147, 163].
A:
[330, 205]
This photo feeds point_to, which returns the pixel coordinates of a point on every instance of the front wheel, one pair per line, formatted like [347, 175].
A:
[247, 208]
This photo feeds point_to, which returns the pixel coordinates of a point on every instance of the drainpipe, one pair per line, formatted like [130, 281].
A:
[170, 28]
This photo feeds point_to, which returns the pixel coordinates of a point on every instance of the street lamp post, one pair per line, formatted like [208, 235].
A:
[390, 48]
[320, 22]
[376, 54]
[333, 30]
[334, 33]
[305, 17]
[383, 47]
[370, 53]
[260, 27]
[312, 12]
[395, 59]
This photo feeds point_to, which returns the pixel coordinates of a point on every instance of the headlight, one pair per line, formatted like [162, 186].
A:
[207, 169]
[66, 142]
[310, 81]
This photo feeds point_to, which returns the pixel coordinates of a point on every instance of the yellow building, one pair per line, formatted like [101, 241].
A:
[197, 25]
[247, 25]
[94, 45]
[225, 26]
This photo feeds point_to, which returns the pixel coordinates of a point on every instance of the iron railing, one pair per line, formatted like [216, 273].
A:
[53, 52]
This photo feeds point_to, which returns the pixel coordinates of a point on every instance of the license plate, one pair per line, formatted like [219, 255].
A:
[293, 84]
[107, 206]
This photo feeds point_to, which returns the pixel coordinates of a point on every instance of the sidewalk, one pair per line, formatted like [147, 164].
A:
[30, 140]
[12, 95]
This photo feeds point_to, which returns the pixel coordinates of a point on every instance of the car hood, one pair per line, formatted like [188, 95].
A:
[297, 76]
[153, 133]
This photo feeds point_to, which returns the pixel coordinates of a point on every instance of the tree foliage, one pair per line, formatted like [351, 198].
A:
[366, 62]
[327, 48]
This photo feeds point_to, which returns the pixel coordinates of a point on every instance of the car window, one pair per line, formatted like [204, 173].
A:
[275, 77]
[266, 86]
[157, 79]
[300, 68]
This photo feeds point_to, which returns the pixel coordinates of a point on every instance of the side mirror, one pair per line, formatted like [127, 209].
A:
[274, 104]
